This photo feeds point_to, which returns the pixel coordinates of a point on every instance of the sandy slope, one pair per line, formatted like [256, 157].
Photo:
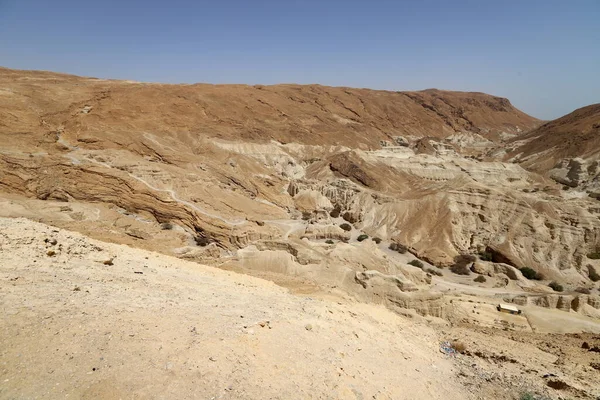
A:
[153, 326]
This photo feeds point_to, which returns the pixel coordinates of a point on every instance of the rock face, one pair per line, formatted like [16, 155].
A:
[392, 291]
[578, 173]
[584, 304]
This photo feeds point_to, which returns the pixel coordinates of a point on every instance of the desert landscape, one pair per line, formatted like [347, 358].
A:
[293, 241]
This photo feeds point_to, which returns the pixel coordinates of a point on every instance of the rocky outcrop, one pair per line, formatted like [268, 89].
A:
[578, 173]
[391, 291]
[574, 302]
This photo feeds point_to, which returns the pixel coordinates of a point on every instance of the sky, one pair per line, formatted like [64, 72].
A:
[544, 56]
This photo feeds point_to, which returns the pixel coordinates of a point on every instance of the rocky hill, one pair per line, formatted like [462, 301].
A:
[566, 149]
[117, 113]
[575, 135]
[288, 180]
[372, 207]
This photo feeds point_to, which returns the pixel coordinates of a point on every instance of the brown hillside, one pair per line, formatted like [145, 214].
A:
[258, 178]
[575, 135]
[99, 112]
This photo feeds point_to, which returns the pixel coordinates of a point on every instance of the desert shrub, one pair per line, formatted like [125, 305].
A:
[529, 396]
[362, 237]
[376, 240]
[557, 287]
[480, 279]
[594, 276]
[461, 264]
[594, 255]
[530, 273]
[583, 290]
[486, 256]
[416, 263]
[335, 212]
[329, 241]
[459, 347]
[345, 226]
[349, 217]
[464, 259]
[434, 271]
[460, 269]
[202, 240]
[400, 248]
[166, 226]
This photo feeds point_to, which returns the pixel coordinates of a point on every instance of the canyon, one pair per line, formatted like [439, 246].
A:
[368, 200]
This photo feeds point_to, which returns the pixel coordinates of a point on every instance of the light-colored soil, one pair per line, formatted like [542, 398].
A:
[152, 326]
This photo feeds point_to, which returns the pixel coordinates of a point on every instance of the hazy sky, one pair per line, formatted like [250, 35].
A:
[543, 55]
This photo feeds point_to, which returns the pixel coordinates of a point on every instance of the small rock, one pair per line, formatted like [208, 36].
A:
[213, 359]
[53, 242]
[308, 327]
[51, 253]
[76, 289]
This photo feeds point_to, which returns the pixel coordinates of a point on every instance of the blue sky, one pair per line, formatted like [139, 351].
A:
[543, 55]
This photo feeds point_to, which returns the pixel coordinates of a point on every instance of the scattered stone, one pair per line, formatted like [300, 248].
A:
[53, 242]
[51, 253]
[77, 289]
[213, 359]
[308, 327]
[585, 345]
[138, 272]
[108, 262]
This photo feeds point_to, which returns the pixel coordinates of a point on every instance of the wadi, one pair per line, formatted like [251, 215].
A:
[293, 241]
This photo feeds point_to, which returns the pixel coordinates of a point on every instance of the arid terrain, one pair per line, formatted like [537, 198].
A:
[288, 241]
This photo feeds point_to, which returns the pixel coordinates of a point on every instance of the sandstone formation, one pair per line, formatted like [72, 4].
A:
[258, 178]
[433, 205]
